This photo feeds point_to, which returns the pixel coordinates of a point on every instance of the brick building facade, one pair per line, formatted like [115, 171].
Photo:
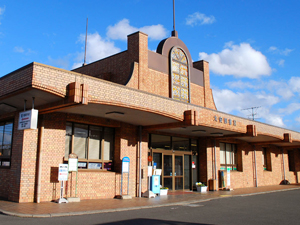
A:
[135, 104]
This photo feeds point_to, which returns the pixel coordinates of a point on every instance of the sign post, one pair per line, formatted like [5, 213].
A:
[73, 167]
[125, 169]
[62, 176]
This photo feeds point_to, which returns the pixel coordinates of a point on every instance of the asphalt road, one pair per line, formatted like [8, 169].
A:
[271, 208]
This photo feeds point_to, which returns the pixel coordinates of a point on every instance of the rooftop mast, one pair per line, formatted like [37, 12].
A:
[84, 62]
[174, 32]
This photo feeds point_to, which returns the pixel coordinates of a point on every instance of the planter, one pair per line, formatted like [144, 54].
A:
[201, 188]
[163, 192]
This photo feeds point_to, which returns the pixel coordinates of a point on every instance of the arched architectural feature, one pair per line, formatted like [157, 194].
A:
[180, 81]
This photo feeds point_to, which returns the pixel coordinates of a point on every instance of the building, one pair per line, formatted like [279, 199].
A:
[135, 104]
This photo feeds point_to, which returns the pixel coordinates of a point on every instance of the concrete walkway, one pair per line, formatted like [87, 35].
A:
[51, 209]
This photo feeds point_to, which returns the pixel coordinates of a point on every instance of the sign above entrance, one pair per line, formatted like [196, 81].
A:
[28, 119]
[220, 119]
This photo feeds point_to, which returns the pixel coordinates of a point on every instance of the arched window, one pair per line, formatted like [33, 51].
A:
[180, 75]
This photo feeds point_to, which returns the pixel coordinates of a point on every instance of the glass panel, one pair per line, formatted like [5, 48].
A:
[178, 183]
[157, 158]
[228, 154]
[187, 172]
[160, 142]
[7, 139]
[95, 142]
[183, 70]
[176, 92]
[176, 79]
[167, 165]
[178, 166]
[184, 94]
[195, 173]
[80, 140]
[1, 138]
[168, 182]
[175, 67]
[180, 144]
[68, 139]
[108, 143]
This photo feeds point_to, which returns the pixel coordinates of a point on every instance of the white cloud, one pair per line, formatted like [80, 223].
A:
[298, 119]
[281, 88]
[293, 107]
[63, 63]
[294, 84]
[229, 101]
[238, 60]
[199, 19]
[18, 49]
[242, 85]
[120, 30]
[97, 48]
[2, 9]
[281, 62]
[284, 52]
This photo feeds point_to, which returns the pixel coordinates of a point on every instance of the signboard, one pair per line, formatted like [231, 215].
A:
[73, 165]
[193, 165]
[228, 177]
[63, 172]
[125, 165]
[149, 171]
[28, 119]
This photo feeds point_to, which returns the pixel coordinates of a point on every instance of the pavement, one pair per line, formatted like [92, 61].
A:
[84, 207]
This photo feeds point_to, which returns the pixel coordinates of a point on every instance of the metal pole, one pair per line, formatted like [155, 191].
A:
[283, 165]
[215, 159]
[174, 15]
[25, 104]
[41, 135]
[140, 163]
[87, 20]
[255, 166]
[33, 102]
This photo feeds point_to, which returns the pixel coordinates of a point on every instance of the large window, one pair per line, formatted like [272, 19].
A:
[228, 156]
[179, 75]
[6, 130]
[172, 143]
[94, 145]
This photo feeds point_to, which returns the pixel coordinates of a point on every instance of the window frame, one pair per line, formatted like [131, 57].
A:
[2, 157]
[173, 71]
[233, 155]
[92, 164]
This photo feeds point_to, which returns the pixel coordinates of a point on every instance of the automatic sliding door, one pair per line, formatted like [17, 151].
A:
[168, 171]
[178, 173]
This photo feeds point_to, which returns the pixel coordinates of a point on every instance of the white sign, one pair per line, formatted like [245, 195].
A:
[150, 171]
[73, 164]
[125, 167]
[228, 177]
[63, 172]
[28, 119]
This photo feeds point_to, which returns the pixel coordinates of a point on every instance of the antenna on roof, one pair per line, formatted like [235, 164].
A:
[84, 62]
[174, 32]
[253, 114]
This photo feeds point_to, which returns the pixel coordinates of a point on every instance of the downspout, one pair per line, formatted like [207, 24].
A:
[283, 166]
[255, 166]
[140, 162]
[215, 159]
[39, 169]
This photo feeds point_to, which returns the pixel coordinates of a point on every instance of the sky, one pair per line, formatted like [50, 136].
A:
[252, 46]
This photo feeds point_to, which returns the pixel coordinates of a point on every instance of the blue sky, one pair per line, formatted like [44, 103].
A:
[252, 46]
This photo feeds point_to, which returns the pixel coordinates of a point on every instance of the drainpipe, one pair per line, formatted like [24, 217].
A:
[39, 169]
[255, 166]
[140, 162]
[215, 159]
[283, 165]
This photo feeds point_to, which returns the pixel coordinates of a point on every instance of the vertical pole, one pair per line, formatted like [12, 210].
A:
[140, 163]
[174, 15]
[87, 20]
[283, 165]
[39, 169]
[255, 166]
[25, 104]
[215, 159]
[33, 102]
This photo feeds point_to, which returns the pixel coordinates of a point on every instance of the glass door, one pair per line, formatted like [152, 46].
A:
[168, 171]
[178, 172]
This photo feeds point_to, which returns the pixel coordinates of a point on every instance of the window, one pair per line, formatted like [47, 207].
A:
[164, 142]
[291, 158]
[94, 145]
[179, 75]
[228, 156]
[266, 159]
[6, 131]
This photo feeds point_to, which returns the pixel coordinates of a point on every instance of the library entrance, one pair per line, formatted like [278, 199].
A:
[177, 158]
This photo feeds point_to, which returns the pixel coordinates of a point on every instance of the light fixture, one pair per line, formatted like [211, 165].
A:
[216, 134]
[199, 131]
[114, 114]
